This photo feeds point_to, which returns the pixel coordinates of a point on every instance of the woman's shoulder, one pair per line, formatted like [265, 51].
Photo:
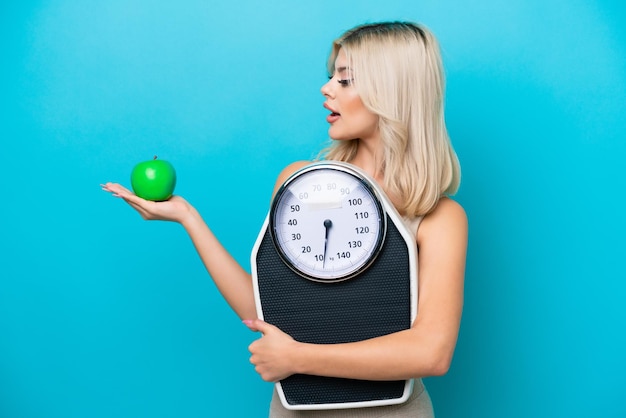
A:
[447, 207]
[288, 171]
[292, 168]
[448, 216]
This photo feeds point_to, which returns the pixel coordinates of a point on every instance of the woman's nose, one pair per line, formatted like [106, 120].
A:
[326, 90]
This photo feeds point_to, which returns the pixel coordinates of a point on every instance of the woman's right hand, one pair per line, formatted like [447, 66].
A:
[174, 209]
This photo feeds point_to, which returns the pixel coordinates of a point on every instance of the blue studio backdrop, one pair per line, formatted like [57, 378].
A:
[105, 315]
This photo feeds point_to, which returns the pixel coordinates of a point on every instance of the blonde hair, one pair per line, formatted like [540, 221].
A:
[398, 75]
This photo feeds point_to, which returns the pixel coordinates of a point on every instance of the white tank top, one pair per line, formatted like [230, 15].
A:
[412, 223]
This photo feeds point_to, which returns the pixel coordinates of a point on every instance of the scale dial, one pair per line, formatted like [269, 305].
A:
[327, 222]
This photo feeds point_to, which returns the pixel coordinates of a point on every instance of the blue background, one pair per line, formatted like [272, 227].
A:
[105, 315]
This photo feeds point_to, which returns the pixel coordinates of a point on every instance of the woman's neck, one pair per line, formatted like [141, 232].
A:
[369, 159]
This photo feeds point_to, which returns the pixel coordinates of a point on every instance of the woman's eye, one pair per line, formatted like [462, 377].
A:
[345, 82]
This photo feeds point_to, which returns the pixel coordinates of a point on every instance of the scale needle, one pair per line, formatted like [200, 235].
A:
[327, 224]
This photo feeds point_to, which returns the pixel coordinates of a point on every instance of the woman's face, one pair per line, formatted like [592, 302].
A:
[349, 118]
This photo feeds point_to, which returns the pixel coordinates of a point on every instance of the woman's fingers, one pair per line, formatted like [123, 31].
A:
[116, 189]
[170, 210]
[137, 203]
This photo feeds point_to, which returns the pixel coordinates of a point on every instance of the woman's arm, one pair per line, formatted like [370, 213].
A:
[233, 282]
[426, 349]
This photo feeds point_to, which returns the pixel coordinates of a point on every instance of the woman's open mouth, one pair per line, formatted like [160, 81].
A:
[333, 115]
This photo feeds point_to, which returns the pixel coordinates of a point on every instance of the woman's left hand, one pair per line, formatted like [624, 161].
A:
[272, 354]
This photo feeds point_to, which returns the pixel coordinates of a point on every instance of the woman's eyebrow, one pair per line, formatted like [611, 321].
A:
[342, 69]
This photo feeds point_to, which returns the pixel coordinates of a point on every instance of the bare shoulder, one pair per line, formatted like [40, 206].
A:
[292, 168]
[447, 218]
[447, 209]
[288, 171]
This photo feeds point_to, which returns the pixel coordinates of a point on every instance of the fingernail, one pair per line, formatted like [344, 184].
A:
[247, 322]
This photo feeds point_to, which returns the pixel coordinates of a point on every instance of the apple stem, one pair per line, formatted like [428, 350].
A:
[155, 157]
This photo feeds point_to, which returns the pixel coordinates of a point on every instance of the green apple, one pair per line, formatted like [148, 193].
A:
[153, 180]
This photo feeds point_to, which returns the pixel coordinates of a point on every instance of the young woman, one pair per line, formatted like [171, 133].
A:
[386, 116]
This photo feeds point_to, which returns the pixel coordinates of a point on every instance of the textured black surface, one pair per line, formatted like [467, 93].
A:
[375, 303]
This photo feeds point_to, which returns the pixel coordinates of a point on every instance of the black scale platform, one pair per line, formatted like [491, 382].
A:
[375, 303]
